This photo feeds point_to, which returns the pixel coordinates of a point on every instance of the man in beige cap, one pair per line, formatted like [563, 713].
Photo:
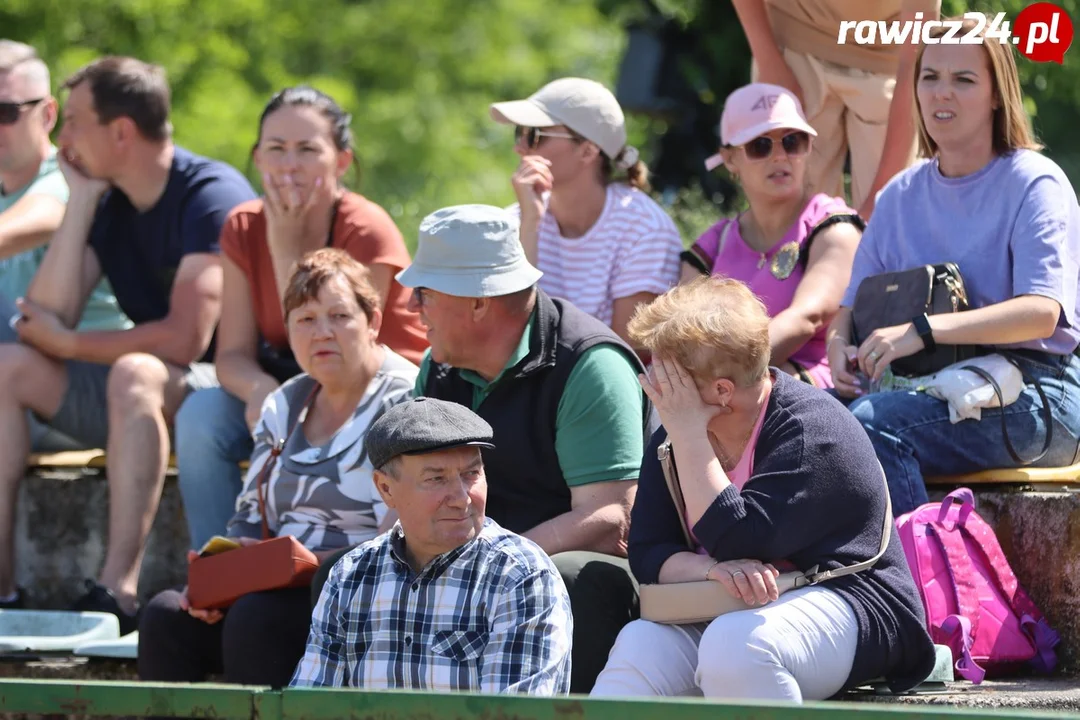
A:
[560, 390]
[860, 98]
[601, 241]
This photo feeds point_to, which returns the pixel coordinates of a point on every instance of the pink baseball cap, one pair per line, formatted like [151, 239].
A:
[754, 110]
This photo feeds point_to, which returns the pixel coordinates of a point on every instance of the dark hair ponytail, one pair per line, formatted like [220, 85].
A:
[637, 175]
[307, 96]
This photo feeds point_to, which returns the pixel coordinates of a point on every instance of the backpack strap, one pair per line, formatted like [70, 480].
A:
[1032, 622]
[961, 628]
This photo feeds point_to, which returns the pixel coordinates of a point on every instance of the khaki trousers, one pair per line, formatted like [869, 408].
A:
[849, 108]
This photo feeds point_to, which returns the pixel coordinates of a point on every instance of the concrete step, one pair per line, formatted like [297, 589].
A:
[1057, 694]
[61, 530]
[62, 526]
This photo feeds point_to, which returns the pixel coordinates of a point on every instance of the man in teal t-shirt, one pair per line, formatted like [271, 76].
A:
[33, 192]
[33, 195]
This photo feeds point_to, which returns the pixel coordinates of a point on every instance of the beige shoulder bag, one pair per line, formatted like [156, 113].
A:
[704, 600]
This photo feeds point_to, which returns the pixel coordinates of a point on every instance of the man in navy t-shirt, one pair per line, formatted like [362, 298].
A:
[146, 215]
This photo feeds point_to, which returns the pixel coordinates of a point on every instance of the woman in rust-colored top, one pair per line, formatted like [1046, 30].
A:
[303, 151]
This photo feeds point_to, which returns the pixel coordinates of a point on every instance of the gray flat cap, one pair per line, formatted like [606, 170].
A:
[470, 251]
[424, 425]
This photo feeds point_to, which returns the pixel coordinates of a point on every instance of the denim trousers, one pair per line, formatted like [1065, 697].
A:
[914, 437]
[212, 439]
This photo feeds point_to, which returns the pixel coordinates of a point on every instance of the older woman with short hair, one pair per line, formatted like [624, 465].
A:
[320, 490]
[776, 475]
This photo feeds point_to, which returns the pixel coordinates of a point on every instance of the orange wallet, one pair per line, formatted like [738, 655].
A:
[216, 581]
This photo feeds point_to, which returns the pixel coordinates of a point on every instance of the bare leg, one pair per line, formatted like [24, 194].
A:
[28, 380]
[144, 394]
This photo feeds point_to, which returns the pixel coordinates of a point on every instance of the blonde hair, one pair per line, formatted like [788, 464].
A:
[1012, 127]
[712, 326]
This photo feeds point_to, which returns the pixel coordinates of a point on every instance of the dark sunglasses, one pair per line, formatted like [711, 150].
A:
[10, 111]
[794, 143]
[532, 137]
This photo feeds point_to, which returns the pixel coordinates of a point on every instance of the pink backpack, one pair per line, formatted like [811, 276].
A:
[972, 599]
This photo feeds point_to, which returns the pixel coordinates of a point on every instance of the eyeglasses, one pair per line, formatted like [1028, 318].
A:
[532, 136]
[794, 143]
[11, 111]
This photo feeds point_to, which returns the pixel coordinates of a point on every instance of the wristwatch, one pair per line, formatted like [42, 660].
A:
[922, 326]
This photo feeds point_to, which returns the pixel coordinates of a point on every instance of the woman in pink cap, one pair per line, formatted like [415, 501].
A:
[794, 249]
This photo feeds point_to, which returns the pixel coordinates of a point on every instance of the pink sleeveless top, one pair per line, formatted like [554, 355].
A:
[774, 276]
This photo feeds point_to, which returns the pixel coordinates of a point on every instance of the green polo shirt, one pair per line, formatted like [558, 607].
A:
[598, 424]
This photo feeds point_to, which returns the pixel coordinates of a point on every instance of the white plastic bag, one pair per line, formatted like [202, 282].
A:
[968, 393]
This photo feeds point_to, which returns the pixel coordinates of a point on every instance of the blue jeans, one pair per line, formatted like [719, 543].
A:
[212, 439]
[914, 437]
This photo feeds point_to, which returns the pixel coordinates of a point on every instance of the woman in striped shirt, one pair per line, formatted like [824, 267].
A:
[320, 490]
[602, 243]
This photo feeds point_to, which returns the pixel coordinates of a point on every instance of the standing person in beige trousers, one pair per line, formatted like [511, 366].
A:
[848, 90]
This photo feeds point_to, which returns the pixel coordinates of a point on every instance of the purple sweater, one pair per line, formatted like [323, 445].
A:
[816, 497]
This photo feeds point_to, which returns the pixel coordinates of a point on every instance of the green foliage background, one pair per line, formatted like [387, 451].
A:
[418, 76]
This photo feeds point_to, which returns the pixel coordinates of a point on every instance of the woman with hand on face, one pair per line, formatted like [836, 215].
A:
[989, 201]
[776, 476]
[600, 240]
[320, 490]
[794, 249]
[303, 151]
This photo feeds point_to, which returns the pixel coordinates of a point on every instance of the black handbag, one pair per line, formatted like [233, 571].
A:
[279, 363]
[897, 298]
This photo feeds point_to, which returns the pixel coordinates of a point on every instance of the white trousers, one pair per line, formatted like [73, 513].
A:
[800, 647]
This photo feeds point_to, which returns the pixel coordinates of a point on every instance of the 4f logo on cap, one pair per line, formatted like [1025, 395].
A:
[765, 102]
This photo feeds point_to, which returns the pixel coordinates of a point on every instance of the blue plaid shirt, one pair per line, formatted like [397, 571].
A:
[491, 616]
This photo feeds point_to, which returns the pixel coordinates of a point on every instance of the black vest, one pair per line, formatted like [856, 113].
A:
[525, 483]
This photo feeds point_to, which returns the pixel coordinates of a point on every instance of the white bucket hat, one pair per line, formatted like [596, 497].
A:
[585, 106]
[470, 251]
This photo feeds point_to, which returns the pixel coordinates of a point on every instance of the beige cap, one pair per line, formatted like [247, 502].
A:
[585, 106]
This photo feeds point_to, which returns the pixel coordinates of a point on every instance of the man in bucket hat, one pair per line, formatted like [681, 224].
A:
[446, 600]
[561, 390]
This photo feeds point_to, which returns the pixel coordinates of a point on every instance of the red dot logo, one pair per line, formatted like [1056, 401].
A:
[1043, 32]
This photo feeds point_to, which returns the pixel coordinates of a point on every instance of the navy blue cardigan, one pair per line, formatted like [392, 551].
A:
[816, 497]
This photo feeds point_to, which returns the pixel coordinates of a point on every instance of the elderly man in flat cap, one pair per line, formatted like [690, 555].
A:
[561, 390]
[446, 600]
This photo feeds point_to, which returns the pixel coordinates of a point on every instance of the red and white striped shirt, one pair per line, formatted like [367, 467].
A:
[633, 247]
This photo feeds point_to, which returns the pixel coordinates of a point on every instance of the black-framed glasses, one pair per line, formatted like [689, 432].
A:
[532, 137]
[10, 112]
[794, 143]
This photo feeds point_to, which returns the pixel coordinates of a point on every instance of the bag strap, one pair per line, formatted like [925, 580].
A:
[1048, 417]
[963, 626]
[811, 576]
[671, 476]
[275, 451]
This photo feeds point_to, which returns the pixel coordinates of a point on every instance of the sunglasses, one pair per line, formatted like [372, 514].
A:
[11, 111]
[532, 136]
[794, 143]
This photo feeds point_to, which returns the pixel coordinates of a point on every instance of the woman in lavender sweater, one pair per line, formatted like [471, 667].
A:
[988, 201]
